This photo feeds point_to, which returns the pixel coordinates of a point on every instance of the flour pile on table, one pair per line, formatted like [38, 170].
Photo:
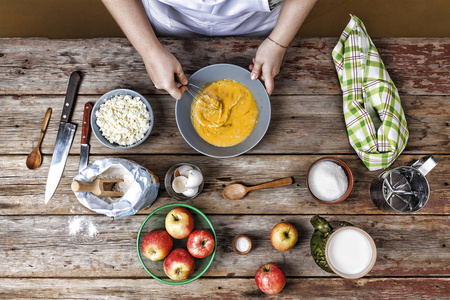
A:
[81, 225]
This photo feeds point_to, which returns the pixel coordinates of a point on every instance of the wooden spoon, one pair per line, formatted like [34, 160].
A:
[99, 187]
[34, 159]
[237, 191]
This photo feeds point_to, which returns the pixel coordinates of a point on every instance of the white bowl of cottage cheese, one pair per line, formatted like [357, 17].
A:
[122, 119]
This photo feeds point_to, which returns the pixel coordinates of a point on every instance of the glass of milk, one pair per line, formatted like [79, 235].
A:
[350, 252]
[329, 180]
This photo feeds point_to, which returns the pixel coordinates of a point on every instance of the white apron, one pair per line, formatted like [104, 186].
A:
[211, 17]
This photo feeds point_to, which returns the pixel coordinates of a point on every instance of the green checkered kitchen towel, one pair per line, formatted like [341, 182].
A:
[374, 116]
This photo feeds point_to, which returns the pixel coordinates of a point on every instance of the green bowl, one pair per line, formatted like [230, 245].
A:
[156, 220]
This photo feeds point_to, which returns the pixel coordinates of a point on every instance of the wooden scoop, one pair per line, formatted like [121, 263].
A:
[34, 159]
[237, 191]
[99, 187]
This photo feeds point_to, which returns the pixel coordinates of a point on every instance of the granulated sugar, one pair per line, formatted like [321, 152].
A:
[327, 181]
[81, 225]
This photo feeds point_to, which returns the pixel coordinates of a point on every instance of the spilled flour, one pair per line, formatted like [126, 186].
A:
[81, 225]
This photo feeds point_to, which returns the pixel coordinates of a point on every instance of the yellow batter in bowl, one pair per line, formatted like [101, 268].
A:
[233, 122]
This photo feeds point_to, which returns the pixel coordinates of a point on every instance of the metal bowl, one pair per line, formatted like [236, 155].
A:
[156, 220]
[103, 99]
[214, 73]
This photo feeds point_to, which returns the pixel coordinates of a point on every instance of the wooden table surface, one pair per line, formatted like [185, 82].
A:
[41, 257]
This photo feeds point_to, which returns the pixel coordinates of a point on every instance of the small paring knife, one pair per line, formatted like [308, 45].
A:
[84, 150]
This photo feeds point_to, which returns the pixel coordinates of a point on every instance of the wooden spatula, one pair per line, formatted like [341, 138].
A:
[99, 187]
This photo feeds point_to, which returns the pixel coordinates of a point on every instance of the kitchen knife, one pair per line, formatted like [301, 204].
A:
[84, 151]
[64, 138]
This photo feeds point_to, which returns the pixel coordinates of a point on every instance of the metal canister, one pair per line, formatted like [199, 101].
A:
[403, 189]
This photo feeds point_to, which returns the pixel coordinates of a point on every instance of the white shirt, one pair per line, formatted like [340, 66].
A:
[211, 17]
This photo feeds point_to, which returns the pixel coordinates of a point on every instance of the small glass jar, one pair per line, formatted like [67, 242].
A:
[170, 176]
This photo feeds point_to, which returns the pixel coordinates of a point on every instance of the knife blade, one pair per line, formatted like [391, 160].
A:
[64, 138]
[84, 151]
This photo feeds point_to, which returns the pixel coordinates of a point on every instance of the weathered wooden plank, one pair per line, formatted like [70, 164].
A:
[299, 125]
[42, 66]
[296, 288]
[49, 246]
[22, 190]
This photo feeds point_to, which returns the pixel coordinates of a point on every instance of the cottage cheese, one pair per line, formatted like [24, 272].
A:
[123, 120]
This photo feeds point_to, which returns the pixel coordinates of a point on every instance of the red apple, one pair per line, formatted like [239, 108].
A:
[179, 264]
[157, 244]
[200, 243]
[179, 223]
[284, 236]
[270, 278]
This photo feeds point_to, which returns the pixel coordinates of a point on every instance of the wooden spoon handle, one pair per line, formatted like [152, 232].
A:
[99, 187]
[276, 183]
[45, 124]
[82, 186]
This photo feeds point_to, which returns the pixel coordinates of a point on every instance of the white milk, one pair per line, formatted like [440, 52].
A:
[349, 251]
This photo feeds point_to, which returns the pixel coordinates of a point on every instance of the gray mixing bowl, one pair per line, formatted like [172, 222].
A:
[214, 73]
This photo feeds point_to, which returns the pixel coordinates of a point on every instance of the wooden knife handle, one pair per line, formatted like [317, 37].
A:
[74, 83]
[86, 118]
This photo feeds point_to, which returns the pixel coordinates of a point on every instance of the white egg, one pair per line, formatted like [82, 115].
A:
[190, 192]
[181, 170]
[194, 179]
[179, 184]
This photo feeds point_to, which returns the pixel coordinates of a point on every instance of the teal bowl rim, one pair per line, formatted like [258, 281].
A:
[213, 254]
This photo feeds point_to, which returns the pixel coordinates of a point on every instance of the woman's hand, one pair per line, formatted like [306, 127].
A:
[166, 72]
[267, 63]
[164, 69]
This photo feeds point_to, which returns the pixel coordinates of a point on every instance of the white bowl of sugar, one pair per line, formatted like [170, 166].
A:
[329, 180]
